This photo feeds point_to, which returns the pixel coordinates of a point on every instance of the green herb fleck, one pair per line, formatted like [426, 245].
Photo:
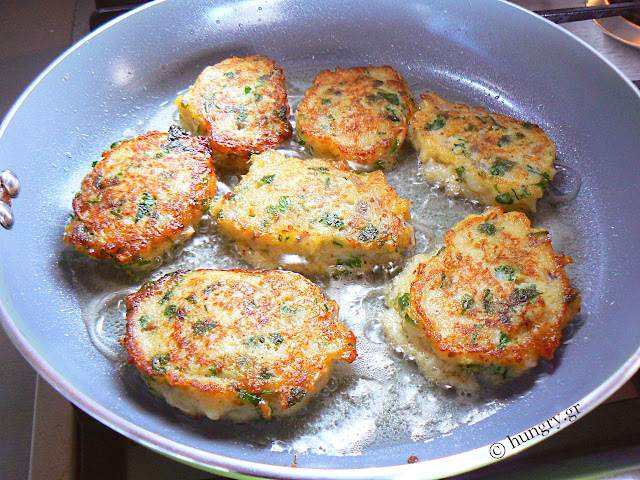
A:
[506, 272]
[159, 362]
[534, 169]
[247, 89]
[253, 399]
[378, 165]
[460, 172]
[141, 261]
[192, 299]
[535, 234]
[525, 294]
[144, 321]
[368, 234]
[489, 118]
[295, 396]
[266, 375]
[147, 202]
[499, 370]
[242, 113]
[284, 203]
[468, 303]
[353, 262]
[487, 300]
[281, 114]
[504, 198]
[201, 327]
[500, 167]
[228, 74]
[544, 183]
[487, 228]
[390, 97]
[504, 339]
[171, 310]
[213, 372]
[437, 124]
[331, 220]
[325, 101]
[526, 124]
[254, 338]
[504, 140]
[409, 319]
[403, 301]
[266, 180]
[169, 292]
[472, 366]
[277, 338]
[524, 193]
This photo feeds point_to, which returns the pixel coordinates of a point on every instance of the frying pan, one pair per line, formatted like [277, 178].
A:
[487, 53]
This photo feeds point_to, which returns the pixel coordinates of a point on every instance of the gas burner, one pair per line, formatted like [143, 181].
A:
[625, 29]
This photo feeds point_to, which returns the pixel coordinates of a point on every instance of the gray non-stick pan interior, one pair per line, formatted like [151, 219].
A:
[486, 53]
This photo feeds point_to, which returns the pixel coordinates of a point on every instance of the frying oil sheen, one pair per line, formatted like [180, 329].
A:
[379, 399]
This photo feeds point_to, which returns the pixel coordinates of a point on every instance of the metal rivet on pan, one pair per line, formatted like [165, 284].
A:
[10, 183]
[6, 215]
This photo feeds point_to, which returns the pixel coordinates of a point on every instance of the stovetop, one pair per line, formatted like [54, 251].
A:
[70, 444]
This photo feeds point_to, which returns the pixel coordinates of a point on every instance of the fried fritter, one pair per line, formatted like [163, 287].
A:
[487, 157]
[235, 344]
[358, 114]
[241, 105]
[492, 301]
[142, 197]
[314, 216]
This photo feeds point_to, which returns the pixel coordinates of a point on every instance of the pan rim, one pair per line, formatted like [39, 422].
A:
[437, 468]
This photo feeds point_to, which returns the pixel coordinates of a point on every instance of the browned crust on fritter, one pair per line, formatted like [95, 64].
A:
[315, 187]
[263, 110]
[176, 173]
[343, 108]
[303, 367]
[469, 344]
[484, 156]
